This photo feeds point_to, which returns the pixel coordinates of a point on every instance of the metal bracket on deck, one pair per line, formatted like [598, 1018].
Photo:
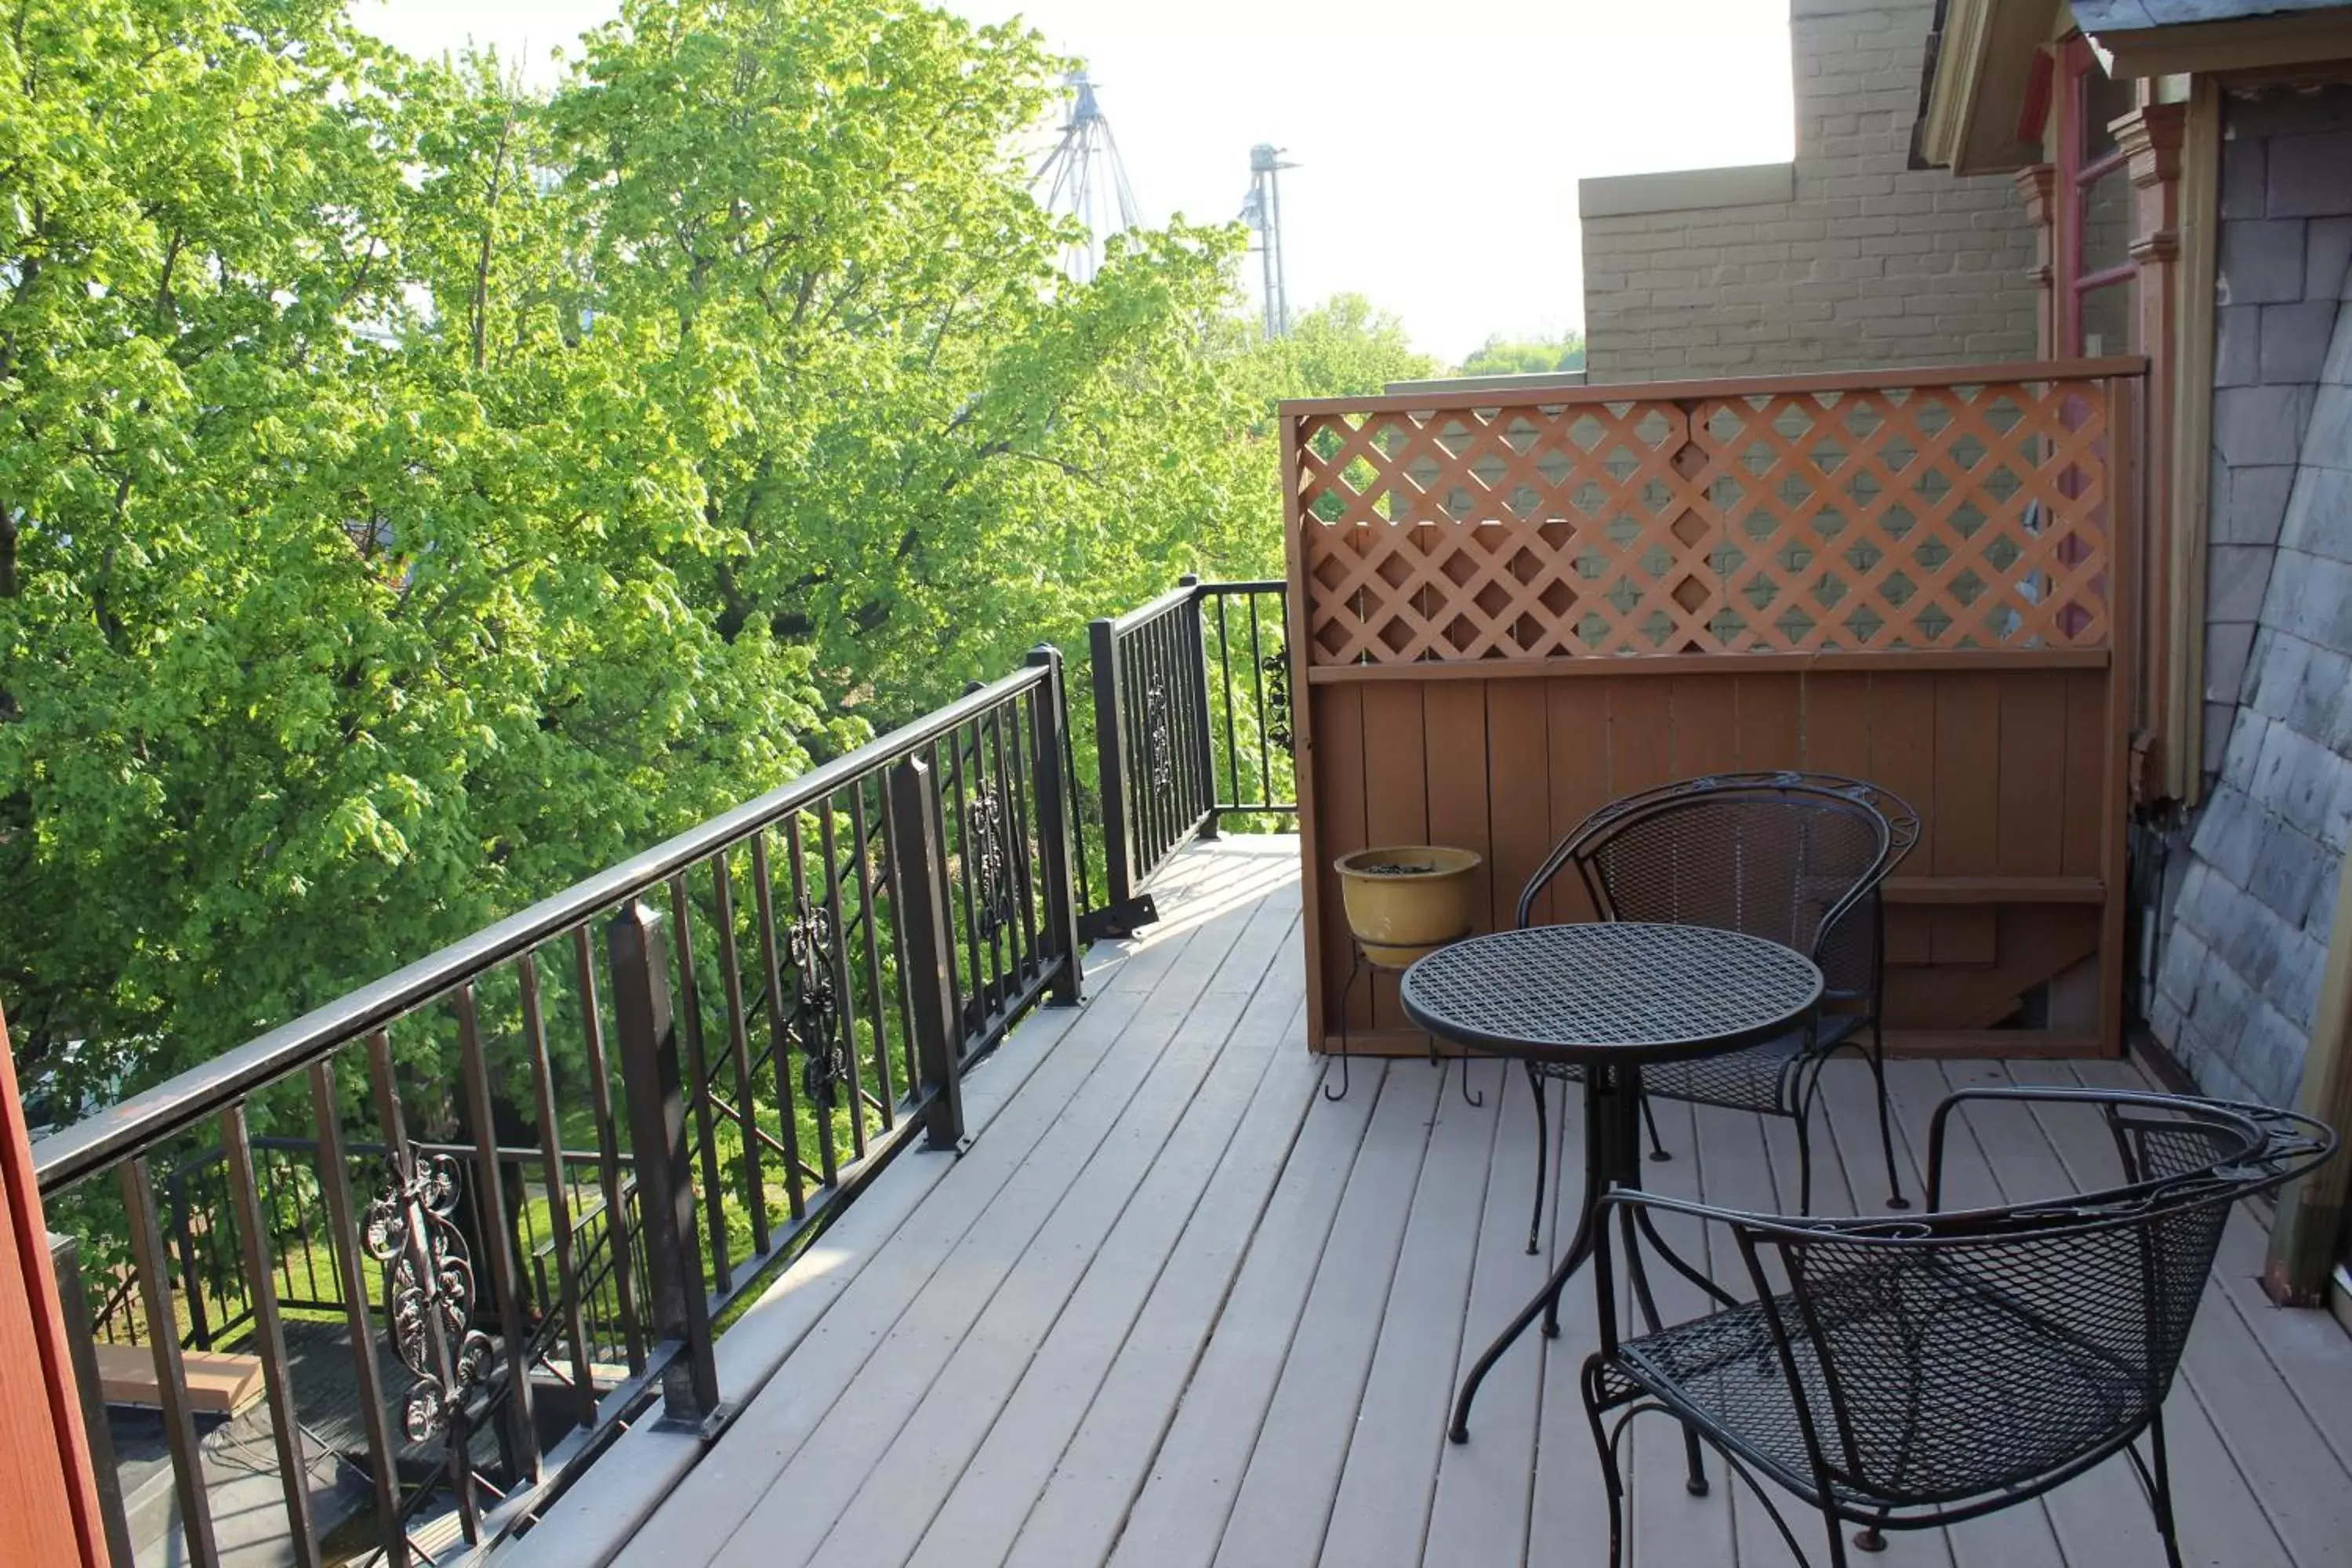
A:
[1118, 920]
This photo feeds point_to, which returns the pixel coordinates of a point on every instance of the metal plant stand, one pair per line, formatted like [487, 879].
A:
[1364, 963]
[1610, 998]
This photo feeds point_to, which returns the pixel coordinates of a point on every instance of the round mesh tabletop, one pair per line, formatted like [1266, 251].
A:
[1619, 991]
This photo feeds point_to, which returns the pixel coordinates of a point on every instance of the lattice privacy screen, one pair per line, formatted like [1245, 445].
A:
[1943, 517]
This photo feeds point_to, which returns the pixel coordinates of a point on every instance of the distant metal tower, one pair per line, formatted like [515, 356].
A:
[1083, 177]
[1262, 211]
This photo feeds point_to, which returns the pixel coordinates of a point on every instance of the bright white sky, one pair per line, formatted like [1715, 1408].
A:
[1438, 147]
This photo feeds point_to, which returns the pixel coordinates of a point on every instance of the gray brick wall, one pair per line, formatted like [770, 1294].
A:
[2245, 938]
[1871, 265]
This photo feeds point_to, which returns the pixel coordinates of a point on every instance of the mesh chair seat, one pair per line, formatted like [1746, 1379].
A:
[1757, 1078]
[1904, 1373]
[1976, 1423]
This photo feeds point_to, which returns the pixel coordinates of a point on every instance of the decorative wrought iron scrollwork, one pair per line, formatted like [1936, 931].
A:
[429, 1289]
[986, 842]
[1276, 665]
[825, 1057]
[1159, 746]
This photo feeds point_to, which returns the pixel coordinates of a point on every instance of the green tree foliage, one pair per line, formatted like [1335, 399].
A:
[1499, 356]
[1344, 347]
[415, 493]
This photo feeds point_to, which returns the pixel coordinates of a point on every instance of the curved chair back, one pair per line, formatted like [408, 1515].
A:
[1951, 1355]
[1793, 857]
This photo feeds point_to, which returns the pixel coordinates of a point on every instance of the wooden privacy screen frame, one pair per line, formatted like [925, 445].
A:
[1768, 545]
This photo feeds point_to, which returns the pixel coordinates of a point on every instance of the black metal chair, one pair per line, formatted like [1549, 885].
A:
[1907, 1372]
[1795, 856]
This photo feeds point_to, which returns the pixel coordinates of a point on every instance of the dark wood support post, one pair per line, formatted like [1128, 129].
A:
[1045, 736]
[81, 1343]
[1203, 731]
[650, 1075]
[2309, 1229]
[924, 932]
[1110, 766]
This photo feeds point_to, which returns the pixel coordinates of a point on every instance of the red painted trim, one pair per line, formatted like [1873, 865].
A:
[2076, 175]
[63, 1500]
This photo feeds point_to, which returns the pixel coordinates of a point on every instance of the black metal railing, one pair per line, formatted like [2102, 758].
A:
[1192, 695]
[540, 1162]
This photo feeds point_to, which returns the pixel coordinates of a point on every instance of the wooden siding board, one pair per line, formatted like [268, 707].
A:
[1903, 757]
[1641, 735]
[1704, 724]
[1771, 722]
[1396, 798]
[1580, 781]
[1454, 718]
[1519, 775]
[1340, 829]
[2032, 836]
[1837, 725]
[1968, 820]
[2084, 817]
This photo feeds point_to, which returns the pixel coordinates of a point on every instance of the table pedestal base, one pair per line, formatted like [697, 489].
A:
[1612, 1157]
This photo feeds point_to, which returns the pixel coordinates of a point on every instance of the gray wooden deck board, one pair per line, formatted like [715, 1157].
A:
[1175, 1309]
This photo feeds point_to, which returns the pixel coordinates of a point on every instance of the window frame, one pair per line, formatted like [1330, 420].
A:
[2078, 174]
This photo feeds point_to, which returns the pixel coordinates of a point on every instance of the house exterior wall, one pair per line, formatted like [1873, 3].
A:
[1844, 257]
[2242, 948]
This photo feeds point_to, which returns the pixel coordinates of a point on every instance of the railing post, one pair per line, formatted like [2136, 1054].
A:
[1052, 717]
[65, 1263]
[639, 956]
[1110, 765]
[926, 953]
[1196, 658]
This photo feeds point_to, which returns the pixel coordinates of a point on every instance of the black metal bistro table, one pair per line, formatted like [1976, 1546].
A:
[1610, 998]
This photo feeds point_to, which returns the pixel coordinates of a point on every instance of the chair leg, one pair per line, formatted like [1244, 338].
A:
[1543, 1156]
[1613, 1483]
[2160, 1492]
[1895, 1198]
[1805, 1158]
[1650, 1120]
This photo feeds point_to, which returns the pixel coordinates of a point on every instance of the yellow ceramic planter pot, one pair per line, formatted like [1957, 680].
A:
[1404, 901]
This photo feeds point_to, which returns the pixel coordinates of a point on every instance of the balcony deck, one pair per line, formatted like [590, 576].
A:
[1173, 1307]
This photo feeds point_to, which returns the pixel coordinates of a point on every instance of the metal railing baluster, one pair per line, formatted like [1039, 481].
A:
[927, 951]
[738, 1049]
[270, 1339]
[843, 1019]
[617, 1229]
[869, 882]
[384, 1083]
[828, 1151]
[496, 1237]
[764, 896]
[367, 1371]
[698, 1081]
[559, 1196]
[137, 1179]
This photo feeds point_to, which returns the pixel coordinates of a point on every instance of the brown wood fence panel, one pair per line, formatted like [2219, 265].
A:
[1503, 616]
